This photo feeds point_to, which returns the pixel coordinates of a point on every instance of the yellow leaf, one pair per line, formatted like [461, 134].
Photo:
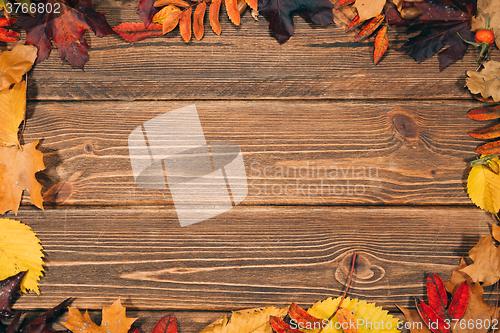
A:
[486, 266]
[247, 321]
[114, 320]
[14, 64]
[369, 8]
[483, 187]
[368, 316]
[20, 250]
[486, 82]
[17, 173]
[12, 111]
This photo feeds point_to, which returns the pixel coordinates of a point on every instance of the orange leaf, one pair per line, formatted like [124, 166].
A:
[489, 148]
[199, 15]
[133, 32]
[343, 3]
[381, 44]
[347, 320]
[487, 133]
[280, 326]
[12, 111]
[301, 317]
[213, 14]
[486, 113]
[9, 35]
[164, 13]
[354, 23]
[232, 11]
[180, 3]
[252, 4]
[15, 63]
[370, 28]
[17, 173]
[185, 24]
[171, 21]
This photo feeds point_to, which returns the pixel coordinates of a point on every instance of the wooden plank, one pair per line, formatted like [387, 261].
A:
[244, 63]
[294, 152]
[246, 257]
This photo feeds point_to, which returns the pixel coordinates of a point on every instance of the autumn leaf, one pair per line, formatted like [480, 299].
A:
[381, 44]
[486, 82]
[198, 17]
[363, 312]
[146, 11]
[279, 326]
[134, 32]
[8, 288]
[483, 187]
[485, 113]
[41, 324]
[491, 8]
[20, 250]
[14, 64]
[114, 320]
[280, 13]
[167, 324]
[486, 266]
[370, 28]
[66, 28]
[300, 316]
[368, 9]
[347, 320]
[185, 24]
[213, 14]
[12, 112]
[247, 321]
[8, 35]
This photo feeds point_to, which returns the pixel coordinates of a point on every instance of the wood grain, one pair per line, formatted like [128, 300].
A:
[246, 257]
[244, 63]
[296, 152]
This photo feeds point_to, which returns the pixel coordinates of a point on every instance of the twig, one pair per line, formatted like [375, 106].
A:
[345, 292]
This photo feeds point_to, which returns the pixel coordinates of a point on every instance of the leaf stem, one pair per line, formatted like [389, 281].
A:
[345, 292]
[483, 160]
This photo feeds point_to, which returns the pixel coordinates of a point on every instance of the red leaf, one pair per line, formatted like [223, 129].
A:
[435, 323]
[370, 28]
[489, 148]
[436, 294]
[65, 25]
[459, 302]
[301, 316]
[343, 3]
[146, 11]
[381, 45]
[133, 329]
[354, 23]
[134, 32]
[185, 24]
[8, 35]
[279, 326]
[487, 133]
[199, 15]
[167, 324]
[486, 113]
[213, 14]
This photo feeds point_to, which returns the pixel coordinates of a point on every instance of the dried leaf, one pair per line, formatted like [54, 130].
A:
[252, 3]
[180, 3]
[489, 148]
[486, 113]
[199, 15]
[279, 326]
[495, 232]
[8, 35]
[492, 8]
[171, 21]
[15, 63]
[213, 14]
[8, 288]
[300, 316]
[369, 8]
[343, 3]
[114, 320]
[247, 321]
[414, 320]
[381, 45]
[146, 12]
[486, 82]
[164, 13]
[370, 28]
[185, 24]
[167, 324]
[133, 32]
[12, 111]
[487, 133]
[20, 251]
[483, 187]
[232, 11]
[486, 266]
[40, 324]
[353, 24]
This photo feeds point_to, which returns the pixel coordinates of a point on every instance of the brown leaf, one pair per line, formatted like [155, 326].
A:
[486, 266]
[232, 11]
[14, 64]
[61, 191]
[369, 8]
[17, 173]
[12, 111]
[414, 321]
[185, 24]
[381, 45]
[492, 8]
[199, 15]
[495, 232]
[486, 82]
[213, 14]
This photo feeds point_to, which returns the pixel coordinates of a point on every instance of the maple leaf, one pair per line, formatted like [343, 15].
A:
[439, 34]
[486, 82]
[491, 8]
[20, 250]
[114, 320]
[14, 64]
[8, 288]
[65, 25]
[247, 321]
[280, 13]
[486, 266]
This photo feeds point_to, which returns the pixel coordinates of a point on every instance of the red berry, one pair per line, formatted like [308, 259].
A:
[485, 36]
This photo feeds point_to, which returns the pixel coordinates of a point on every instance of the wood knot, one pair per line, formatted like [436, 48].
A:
[405, 124]
[364, 270]
[88, 148]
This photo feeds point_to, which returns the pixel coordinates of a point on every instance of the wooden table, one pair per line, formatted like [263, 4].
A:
[316, 101]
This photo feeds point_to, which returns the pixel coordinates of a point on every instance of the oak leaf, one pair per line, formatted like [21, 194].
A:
[483, 187]
[492, 8]
[486, 82]
[114, 320]
[15, 63]
[20, 251]
[247, 321]
[486, 266]
[368, 9]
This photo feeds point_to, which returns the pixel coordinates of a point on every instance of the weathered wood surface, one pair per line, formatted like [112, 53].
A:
[245, 62]
[246, 257]
[295, 152]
